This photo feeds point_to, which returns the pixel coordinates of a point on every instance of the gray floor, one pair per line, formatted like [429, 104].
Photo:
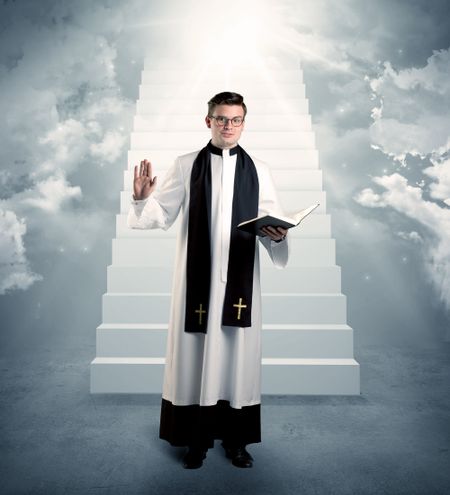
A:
[393, 439]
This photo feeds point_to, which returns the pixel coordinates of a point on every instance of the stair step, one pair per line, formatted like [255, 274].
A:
[258, 106]
[303, 279]
[310, 376]
[293, 181]
[277, 308]
[160, 251]
[198, 139]
[127, 375]
[265, 123]
[315, 226]
[278, 341]
[152, 76]
[206, 90]
[279, 376]
[154, 62]
[281, 158]
[290, 199]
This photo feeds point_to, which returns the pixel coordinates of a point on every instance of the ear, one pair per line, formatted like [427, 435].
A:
[208, 122]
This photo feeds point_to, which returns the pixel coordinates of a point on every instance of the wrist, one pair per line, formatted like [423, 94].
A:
[138, 199]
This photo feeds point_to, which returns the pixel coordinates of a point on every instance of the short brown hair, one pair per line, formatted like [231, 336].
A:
[226, 98]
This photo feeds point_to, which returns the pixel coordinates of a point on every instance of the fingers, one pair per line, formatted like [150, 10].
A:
[275, 233]
[145, 169]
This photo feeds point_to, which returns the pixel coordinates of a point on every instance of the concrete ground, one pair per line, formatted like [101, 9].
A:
[394, 438]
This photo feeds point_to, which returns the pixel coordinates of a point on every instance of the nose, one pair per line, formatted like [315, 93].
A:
[228, 124]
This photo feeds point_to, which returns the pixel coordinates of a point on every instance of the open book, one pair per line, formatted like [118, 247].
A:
[255, 224]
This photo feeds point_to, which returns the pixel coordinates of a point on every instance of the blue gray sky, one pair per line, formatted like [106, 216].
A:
[377, 76]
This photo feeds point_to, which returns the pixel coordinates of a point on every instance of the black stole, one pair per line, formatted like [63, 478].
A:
[237, 306]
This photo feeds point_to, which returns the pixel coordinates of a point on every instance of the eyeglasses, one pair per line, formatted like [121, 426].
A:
[235, 121]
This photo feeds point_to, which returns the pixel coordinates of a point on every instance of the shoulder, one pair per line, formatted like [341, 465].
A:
[187, 160]
[188, 157]
[261, 166]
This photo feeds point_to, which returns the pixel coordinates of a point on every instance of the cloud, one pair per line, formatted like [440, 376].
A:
[411, 117]
[14, 270]
[51, 193]
[108, 150]
[434, 219]
[63, 117]
[412, 121]
[433, 77]
[408, 200]
[411, 236]
[440, 173]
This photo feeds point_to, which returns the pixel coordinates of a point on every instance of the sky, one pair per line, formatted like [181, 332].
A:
[377, 78]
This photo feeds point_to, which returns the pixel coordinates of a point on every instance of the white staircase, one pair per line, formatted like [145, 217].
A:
[307, 345]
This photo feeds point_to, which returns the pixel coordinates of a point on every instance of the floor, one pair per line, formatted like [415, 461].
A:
[394, 438]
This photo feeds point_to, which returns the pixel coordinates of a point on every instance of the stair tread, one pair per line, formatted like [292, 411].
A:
[267, 326]
[265, 361]
[271, 294]
[128, 360]
[299, 361]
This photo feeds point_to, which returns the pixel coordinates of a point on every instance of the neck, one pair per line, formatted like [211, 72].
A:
[219, 150]
[224, 147]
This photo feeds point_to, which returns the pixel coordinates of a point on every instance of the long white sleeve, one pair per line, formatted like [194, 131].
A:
[269, 203]
[161, 208]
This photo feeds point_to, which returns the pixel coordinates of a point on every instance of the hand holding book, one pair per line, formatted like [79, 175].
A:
[255, 225]
[277, 234]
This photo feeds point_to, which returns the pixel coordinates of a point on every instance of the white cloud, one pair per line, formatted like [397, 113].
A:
[440, 172]
[66, 145]
[51, 193]
[63, 115]
[367, 197]
[14, 270]
[411, 236]
[413, 119]
[408, 200]
[110, 148]
[433, 77]
[397, 139]
[412, 116]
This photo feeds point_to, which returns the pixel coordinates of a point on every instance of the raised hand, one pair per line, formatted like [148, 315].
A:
[144, 183]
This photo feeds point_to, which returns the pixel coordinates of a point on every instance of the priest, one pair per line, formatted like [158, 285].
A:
[212, 375]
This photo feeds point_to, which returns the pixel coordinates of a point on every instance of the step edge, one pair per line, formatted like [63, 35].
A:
[265, 326]
[309, 361]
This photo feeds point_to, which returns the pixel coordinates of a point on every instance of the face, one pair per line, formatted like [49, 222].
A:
[225, 136]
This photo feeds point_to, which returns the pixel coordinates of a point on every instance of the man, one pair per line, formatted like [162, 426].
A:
[213, 362]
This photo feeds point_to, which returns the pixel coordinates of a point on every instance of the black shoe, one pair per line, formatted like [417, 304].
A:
[194, 458]
[239, 456]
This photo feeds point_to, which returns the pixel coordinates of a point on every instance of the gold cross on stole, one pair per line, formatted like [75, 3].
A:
[200, 312]
[239, 306]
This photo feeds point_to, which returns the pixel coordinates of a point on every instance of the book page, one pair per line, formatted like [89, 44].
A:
[298, 217]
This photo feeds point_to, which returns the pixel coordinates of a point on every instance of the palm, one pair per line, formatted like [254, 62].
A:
[142, 186]
[144, 183]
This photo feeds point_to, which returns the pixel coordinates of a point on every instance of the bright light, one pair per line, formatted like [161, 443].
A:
[217, 33]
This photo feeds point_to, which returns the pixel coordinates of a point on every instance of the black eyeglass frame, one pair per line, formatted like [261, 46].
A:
[226, 120]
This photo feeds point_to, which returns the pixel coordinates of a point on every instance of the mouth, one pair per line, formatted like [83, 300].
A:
[227, 134]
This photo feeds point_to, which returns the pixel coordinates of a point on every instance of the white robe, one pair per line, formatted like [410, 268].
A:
[224, 363]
